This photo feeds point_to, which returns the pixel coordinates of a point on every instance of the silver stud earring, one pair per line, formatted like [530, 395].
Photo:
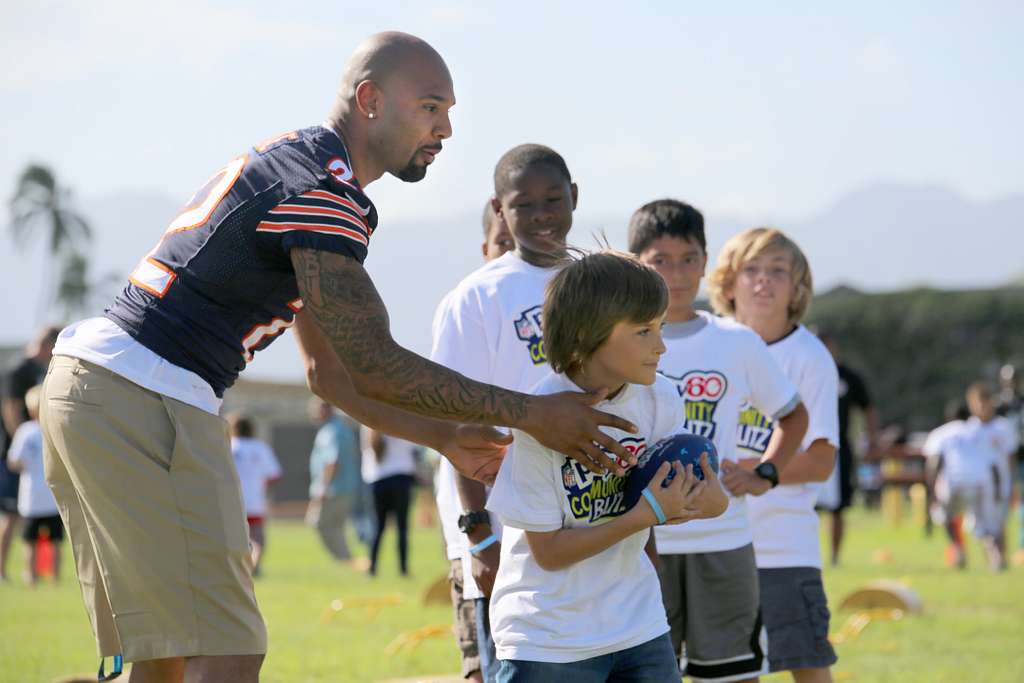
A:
[371, 114]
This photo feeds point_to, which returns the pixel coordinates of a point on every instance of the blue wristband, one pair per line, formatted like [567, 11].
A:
[658, 512]
[483, 545]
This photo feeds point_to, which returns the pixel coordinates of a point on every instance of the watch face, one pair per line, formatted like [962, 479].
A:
[766, 470]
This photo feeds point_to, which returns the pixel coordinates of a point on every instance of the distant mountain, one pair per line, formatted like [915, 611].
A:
[889, 236]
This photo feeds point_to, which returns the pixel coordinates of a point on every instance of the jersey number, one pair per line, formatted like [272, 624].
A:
[152, 275]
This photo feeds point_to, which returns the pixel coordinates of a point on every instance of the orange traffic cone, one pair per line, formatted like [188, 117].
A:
[44, 554]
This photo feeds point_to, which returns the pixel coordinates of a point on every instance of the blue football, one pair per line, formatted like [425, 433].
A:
[686, 448]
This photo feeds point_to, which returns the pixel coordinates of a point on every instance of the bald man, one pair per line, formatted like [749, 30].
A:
[136, 453]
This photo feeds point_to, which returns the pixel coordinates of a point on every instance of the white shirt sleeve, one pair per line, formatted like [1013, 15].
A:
[460, 339]
[819, 390]
[668, 410]
[936, 440]
[1010, 438]
[525, 496]
[271, 466]
[770, 390]
[19, 453]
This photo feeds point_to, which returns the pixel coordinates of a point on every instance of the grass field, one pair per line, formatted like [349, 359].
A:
[972, 628]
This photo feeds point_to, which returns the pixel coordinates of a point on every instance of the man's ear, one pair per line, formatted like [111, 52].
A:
[368, 98]
[575, 191]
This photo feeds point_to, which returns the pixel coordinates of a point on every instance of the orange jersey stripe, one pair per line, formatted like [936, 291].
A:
[268, 226]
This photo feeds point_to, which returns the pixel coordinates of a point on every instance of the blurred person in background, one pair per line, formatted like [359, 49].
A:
[389, 467]
[36, 503]
[996, 440]
[27, 373]
[837, 492]
[258, 469]
[1011, 406]
[334, 478]
[944, 511]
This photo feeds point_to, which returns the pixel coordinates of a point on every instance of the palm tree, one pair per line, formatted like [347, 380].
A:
[76, 294]
[40, 205]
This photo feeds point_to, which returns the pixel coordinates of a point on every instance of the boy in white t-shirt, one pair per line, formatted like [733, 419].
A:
[576, 596]
[764, 281]
[948, 504]
[974, 473]
[258, 468]
[35, 500]
[708, 575]
[489, 329]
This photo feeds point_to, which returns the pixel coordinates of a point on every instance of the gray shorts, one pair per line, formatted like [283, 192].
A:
[711, 601]
[795, 612]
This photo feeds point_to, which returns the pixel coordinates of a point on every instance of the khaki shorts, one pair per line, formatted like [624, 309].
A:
[148, 491]
[465, 622]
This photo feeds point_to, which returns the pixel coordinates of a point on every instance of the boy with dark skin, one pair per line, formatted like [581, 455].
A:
[489, 329]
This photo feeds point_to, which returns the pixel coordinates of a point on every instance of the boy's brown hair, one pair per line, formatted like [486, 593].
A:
[749, 245]
[589, 296]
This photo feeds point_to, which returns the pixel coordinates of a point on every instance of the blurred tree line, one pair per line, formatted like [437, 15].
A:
[41, 208]
[919, 348]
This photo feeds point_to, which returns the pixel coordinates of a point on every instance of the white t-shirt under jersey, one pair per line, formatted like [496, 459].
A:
[784, 521]
[605, 603]
[101, 342]
[34, 496]
[716, 364]
[489, 329]
[257, 466]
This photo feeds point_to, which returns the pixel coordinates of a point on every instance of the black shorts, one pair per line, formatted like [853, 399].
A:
[8, 489]
[34, 527]
[846, 485]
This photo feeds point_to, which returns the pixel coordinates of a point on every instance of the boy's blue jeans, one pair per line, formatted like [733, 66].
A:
[485, 643]
[650, 662]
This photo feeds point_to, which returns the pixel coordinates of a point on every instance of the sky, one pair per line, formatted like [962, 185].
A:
[767, 110]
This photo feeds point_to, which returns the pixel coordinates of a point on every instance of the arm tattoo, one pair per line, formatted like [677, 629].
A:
[343, 301]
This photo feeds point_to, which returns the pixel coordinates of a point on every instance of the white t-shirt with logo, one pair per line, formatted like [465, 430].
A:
[716, 364]
[489, 329]
[605, 603]
[784, 521]
[34, 496]
[257, 466]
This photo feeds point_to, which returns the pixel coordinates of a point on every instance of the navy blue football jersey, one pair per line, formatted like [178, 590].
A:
[219, 285]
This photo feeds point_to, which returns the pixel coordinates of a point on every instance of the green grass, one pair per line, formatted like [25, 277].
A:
[971, 630]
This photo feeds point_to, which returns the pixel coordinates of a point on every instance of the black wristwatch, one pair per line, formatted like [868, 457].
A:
[766, 470]
[472, 520]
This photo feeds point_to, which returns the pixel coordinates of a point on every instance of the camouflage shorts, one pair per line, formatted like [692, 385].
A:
[465, 622]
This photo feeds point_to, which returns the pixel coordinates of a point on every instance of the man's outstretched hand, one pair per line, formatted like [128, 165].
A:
[476, 451]
[567, 423]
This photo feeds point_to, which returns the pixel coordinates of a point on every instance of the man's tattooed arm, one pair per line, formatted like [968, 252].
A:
[345, 305]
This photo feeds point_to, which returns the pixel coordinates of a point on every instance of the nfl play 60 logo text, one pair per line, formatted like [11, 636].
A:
[701, 391]
[529, 329]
